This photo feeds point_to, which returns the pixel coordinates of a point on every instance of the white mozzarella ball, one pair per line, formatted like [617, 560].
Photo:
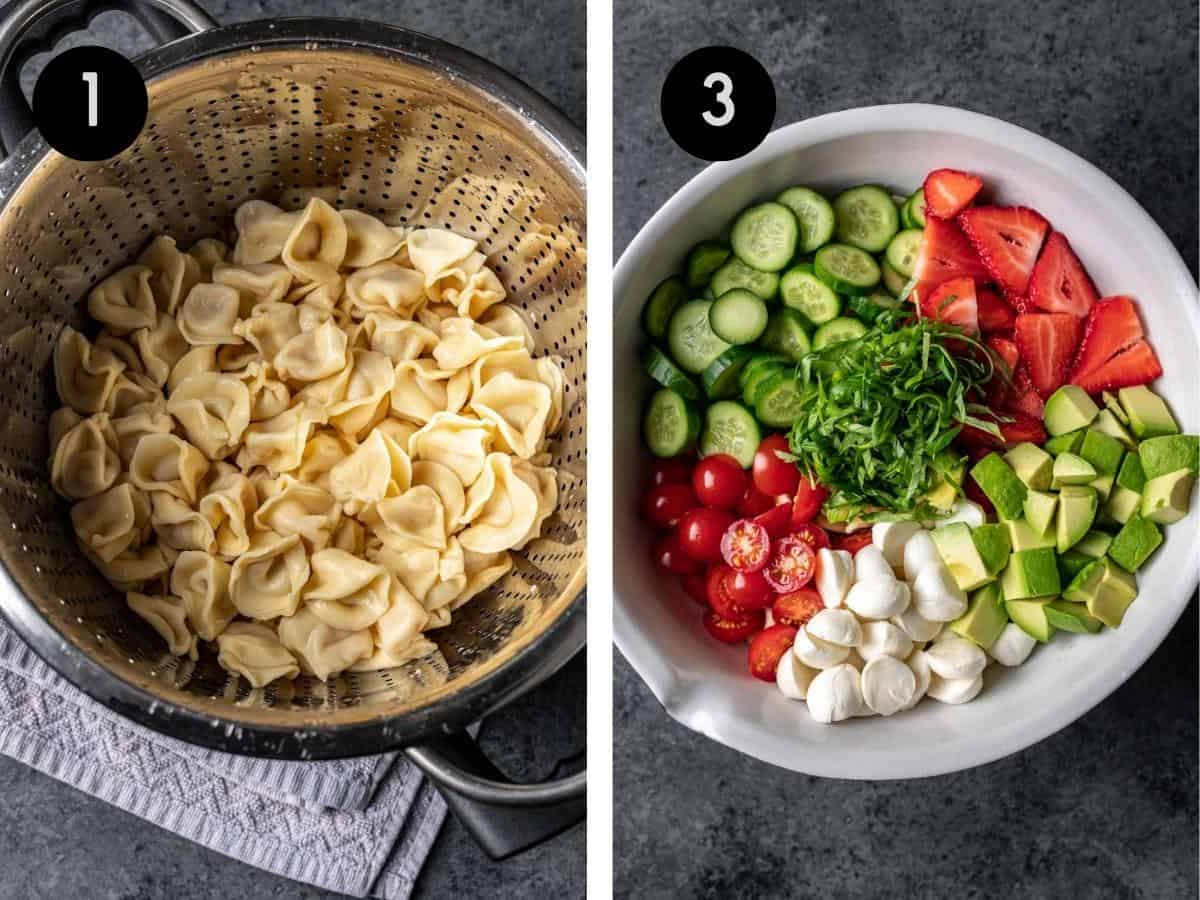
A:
[835, 626]
[937, 595]
[815, 653]
[955, 658]
[878, 598]
[921, 671]
[835, 574]
[835, 694]
[1013, 646]
[954, 690]
[915, 625]
[888, 685]
[793, 677]
[890, 538]
[883, 639]
[919, 552]
[967, 511]
[869, 564]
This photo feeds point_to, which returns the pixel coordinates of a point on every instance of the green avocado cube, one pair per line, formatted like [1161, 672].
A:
[1107, 423]
[1131, 475]
[1077, 505]
[1039, 511]
[1069, 408]
[1030, 617]
[1072, 563]
[1113, 405]
[1021, 535]
[1067, 616]
[1094, 544]
[1033, 465]
[1105, 589]
[1122, 504]
[1071, 469]
[957, 549]
[994, 545]
[984, 619]
[1162, 455]
[1147, 412]
[1167, 497]
[1134, 543]
[1065, 443]
[1102, 451]
[1031, 573]
[1103, 485]
[1000, 483]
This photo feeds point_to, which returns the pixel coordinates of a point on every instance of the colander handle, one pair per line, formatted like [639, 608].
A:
[33, 26]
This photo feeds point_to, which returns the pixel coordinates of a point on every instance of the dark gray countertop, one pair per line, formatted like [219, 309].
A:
[58, 843]
[1107, 808]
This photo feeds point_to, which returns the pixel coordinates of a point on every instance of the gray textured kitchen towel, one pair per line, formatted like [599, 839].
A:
[360, 826]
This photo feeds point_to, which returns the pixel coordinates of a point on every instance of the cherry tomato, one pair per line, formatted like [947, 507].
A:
[719, 481]
[676, 470]
[696, 587]
[734, 631]
[745, 546]
[797, 607]
[854, 541]
[700, 533]
[791, 565]
[664, 506]
[777, 520]
[771, 474]
[748, 590]
[813, 535]
[754, 502]
[767, 648]
[717, 592]
[670, 555]
[809, 497]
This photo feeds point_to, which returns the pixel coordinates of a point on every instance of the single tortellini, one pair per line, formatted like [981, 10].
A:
[173, 273]
[447, 485]
[253, 650]
[417, 568]
[316, 245]
[268, 395]
[416, 516]
[110, 522]
[482, 291]
[255, 283]
[482, 570]
[236, 358]
[313, 355]
[227, 505]
[463, 342]
[397, 339]
[551, 375]
[164, 462]
[323, 451]
[166, 615]
[368, 240]
[302, 509]
[84, 375]
[133, 568]
[180, 526]
[518, 408]
[377, 468]
[385, 288]
[278, 443]
[195, 362]
[208, 315]
[207, 252]
[160, 348]
[85, 461]
[146, 418]
[131, 391]
[270, 325]
[262, 230]
[422, 390]
[418, 648]
[322, 649]
[121, 348]
[62, 420]
[202, 581]
[459, 443]
[123, 301]
[366, 398]
[403, 622]
[517, 363]
[501, 508]
[432, 315]
[214, 412]
[445, 259]
[503, 318]
[452, 578]
[346, 592]
[267, 579]
[542, 480]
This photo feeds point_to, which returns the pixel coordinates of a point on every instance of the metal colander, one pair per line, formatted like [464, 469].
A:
[371, 118]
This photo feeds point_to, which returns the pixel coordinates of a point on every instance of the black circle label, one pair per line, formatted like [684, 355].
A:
[718, 103]
[89, 103]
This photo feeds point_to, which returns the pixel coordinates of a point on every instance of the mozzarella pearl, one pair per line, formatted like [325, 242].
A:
[919, 552]
[967, 511]
[915, 625]
[793, 677]
[835, 694]
[883, 639]
[921, 671]
[955, 658]
[1013, 646]
[869, 564]
[835, 626]
[878, 598]
[888, 685]
[835, 574]
[815, 653]
[937, 595]
[890, 538]
[955, 690]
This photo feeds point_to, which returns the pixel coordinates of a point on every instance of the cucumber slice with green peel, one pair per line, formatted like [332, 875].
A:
[662, 303]
[758, 377]
[722, 379]
[802, 290]
[913, 212]
[762, 361]
[662, 369]
[670, 425]
[738, 316]
[837, 331]
[730, 428]
[690, 338]
[786, 334]
[736, 274]
[779, 401]
[892, 280]
[866, 217]
[764, 237]
[846, 269]
[814, 214]
[903, 249]
[703, 260]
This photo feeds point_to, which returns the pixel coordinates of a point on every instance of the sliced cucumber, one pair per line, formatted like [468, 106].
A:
[738, 316]
[730, 428]
[903, 249]
[779, 401]
[760, 362]
[869, 308]
[754, 374]
[736, 274]
[662, 303]
[662, 369]
[764, 237]
[802, 290]
[846, 269]
[913, 212]
[670, 425]
[704, 259]
[866, 217]
[836, 331]
[814, 214]
[786, 334]
[691, 339]
[892, 280]
[722, 379]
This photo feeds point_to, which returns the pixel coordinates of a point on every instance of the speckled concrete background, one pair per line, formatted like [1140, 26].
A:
[1108, 807]
[58, 843]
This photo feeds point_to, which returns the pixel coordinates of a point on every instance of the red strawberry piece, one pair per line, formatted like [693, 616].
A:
[1135, 365]
[994, 313]
[952, 302]
[1047, 343]
[945, 254]
[1024, 397]
[1112, 325]
[1007, 239]
[949, 191]
[1059, 282]
[1006, 350]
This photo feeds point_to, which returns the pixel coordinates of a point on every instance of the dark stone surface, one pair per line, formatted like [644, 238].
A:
[1107, 808]
[58, 843]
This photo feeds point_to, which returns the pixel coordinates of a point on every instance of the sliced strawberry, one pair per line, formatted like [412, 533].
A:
[1135, 365]
[952, 302]
[946, 253]
[1006, 350]
[994, 313]
[1112, 325]
[1047, 342]
[1007, 239]
[1024, 398]
[949, 191]
[1060, 283]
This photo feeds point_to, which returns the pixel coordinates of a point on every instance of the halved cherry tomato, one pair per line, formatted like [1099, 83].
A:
[696, 587]
[811, 534]
[791, 565]
[767, 648]
[745, 546]
[749, 590]
[797, 607]
[676, 470]
[777, 520]
[854, 541]
[809, 497]
[754, 503]
[771, 474]
[664, 506]
[719, 481]
[700, 533]
[716, 588]
[734, 631]
[670, 555]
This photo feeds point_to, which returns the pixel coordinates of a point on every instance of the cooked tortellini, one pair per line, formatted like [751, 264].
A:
[303, 452]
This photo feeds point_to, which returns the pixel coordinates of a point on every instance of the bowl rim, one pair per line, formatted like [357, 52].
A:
[638, 647]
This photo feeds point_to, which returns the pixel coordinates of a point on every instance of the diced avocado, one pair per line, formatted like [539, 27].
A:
[984, 619]
[1077, 505]
[1067, 616]
[1094, 544]
[1103, 485]
[1147, 412]
[950, 469]
[994, 545]
[1134, 543]
[957, 549]
[1161, 455]
[1030, 617]
[1122, 503]
[1031, 573]
[1039, 511]
[1071, 564]
[1065, 443]
[1071, 469]
[1032, 464]
[943, 495]
[1102, 451]
[1000, 483]
[1113, 405]
[1069, 408]
[1107, 423]
[1022, 536]
[1105, 589]
[1131, 475]
[1167, 497]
